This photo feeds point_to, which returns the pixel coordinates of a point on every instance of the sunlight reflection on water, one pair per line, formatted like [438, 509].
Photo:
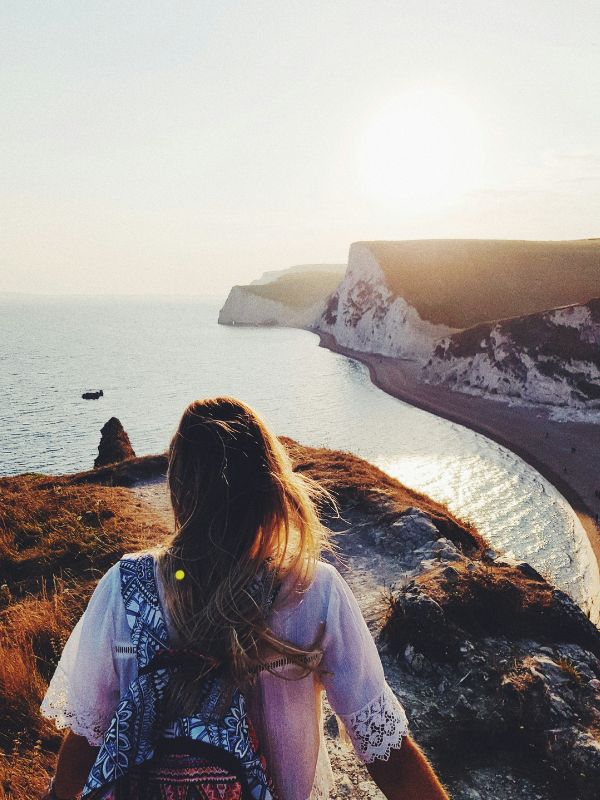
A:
[152, 357]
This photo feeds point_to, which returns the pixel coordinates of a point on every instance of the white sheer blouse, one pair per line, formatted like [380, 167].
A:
[98, 663]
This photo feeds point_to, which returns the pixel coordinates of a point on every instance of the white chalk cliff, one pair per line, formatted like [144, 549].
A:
[551, 358]
[364, 315]
[244, 307]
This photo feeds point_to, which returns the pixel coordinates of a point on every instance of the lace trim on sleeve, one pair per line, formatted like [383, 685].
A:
[378, 728]
[55, 706]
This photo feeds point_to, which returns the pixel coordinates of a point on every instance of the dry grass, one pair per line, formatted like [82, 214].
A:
[50, 529]
[298, 291]
[24, 771]
[462, 282]
[570, 670]
[56, 538]
[59, 535]
[32, 635]
[521, 679]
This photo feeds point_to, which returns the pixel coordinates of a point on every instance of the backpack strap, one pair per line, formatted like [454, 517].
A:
[134, 730]
[140, 596]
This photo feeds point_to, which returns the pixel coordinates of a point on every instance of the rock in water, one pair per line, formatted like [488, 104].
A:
[114, 444]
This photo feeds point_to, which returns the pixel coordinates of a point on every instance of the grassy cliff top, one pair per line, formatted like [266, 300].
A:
[300, 290]
[462, 282]
[59, 534]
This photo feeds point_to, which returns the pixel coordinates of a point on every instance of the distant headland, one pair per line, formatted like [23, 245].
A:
[502, 336]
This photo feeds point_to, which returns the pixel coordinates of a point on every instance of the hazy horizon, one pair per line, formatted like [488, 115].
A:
[196, 146]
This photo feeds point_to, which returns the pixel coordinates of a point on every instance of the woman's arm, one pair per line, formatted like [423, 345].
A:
[407, 775]
[85, 688]
[371, 713]
[75, 760]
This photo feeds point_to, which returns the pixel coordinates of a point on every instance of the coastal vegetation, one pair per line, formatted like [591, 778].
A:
[463, 282]
[57, 537]
[298, 291]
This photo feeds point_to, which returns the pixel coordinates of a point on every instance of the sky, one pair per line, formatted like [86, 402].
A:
[183, 147]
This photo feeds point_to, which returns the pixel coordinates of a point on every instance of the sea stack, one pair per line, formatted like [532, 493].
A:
[114, 444]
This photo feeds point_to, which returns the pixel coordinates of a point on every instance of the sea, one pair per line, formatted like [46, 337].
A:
[151, 356]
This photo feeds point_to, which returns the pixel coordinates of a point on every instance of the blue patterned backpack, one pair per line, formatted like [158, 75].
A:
[212, 755]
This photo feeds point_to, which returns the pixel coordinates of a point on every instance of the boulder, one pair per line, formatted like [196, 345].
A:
[410, 530]
[114, 444]
[504, 659]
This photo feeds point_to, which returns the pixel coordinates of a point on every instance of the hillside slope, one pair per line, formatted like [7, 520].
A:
[299, 269]
[462, 282]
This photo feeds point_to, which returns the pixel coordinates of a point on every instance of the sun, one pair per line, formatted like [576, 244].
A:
[422, 149]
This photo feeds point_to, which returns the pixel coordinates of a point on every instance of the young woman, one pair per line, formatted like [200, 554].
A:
[242, 590]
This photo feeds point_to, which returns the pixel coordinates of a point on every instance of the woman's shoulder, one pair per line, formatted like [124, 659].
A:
[112, 577]
[325, 574]
[151, 553]
[300, 596]
[328, 575]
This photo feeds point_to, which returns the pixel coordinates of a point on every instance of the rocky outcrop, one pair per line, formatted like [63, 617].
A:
[498, 670]
[114, 444]
[552, 357]
[506, 657]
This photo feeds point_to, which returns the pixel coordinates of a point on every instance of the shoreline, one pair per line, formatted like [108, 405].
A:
[507, 425]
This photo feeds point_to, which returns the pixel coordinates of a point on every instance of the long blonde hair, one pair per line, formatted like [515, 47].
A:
[243, 518]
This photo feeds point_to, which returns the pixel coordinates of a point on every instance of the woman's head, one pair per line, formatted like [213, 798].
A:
[233, 489]
[238, 506]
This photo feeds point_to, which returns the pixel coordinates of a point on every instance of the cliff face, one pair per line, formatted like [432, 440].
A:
[552, 357]
[402, 298]
[365, 315]
[244, 307]
[294, 299]
[486, 317]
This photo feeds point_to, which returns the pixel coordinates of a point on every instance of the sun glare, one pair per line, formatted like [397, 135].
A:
[423, 149]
